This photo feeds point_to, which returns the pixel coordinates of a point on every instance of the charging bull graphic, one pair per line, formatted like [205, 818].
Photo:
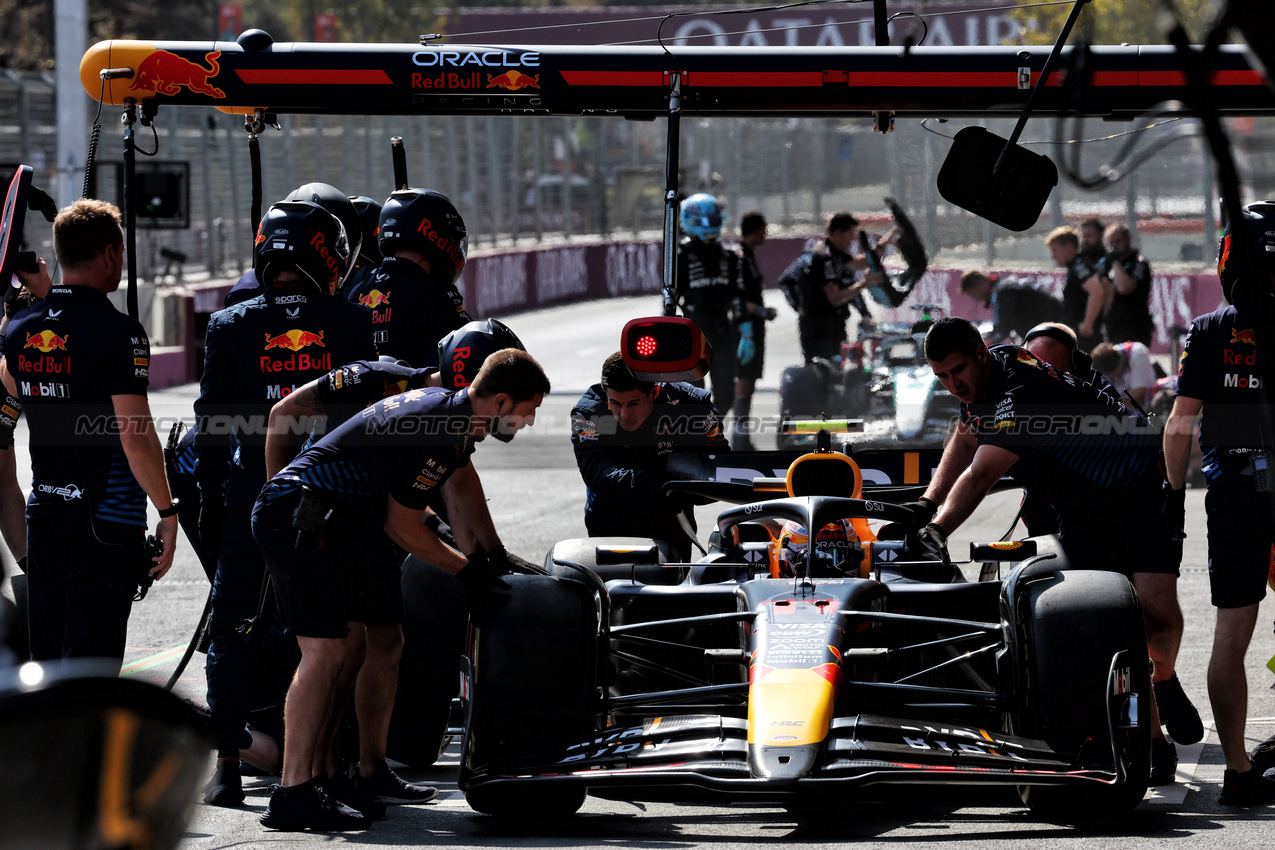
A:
[513, 80]
[295, 340]
[165, 73]
[45, 341]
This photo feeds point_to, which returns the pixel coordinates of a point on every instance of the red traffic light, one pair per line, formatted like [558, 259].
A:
[646, 346]
[665, 348]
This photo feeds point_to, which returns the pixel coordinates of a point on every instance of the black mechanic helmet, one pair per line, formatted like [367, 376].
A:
[334, 201]
[462, 352]
[425, 221]
[369, 220]
[302, 237]
[1258, 229]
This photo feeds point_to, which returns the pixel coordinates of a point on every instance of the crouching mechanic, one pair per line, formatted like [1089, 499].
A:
[623, 431]
[327, 522]
[1088, 474]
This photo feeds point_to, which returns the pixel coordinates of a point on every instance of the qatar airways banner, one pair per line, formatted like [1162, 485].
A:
[964, 24]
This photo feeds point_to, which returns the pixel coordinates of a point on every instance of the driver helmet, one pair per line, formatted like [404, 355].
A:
[463, 351]
[702, 217]
[331, 199]
[837, 549]
[427, 222]
[1258, 230]
[302, 237]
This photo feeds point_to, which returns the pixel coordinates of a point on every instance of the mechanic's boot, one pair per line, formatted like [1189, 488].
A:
[1177, 712]
[341, 788]
[1263, 755]
[393, 790]
[1249, 788]
[305, 806]
[1164, 762]
[225, 788]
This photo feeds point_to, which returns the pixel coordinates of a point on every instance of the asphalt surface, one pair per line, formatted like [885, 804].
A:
[536, 498]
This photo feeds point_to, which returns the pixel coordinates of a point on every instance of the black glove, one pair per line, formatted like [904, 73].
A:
[212, 507]
[770, 313]
[1173, 511]
[478, 578]
[933, 539]
[511, 563]
[922, 510]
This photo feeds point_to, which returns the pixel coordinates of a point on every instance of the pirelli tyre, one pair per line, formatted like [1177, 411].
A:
[612, 563]
[532, 686]
[1073, 625]
[435, 616]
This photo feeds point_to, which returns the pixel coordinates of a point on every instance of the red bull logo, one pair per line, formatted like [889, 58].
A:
[1243, 336]
[513, 81]
[167, 73]
[375, 299]
[294, 340]
[46, 341]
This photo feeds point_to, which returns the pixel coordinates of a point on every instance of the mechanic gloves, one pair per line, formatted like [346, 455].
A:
[747, 346]
[934, 541]
[922, 510]
[482, 575]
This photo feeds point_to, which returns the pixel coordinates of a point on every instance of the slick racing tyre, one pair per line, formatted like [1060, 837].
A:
[1074, 624]
[533, 693]
[435, 616]
[584, 551]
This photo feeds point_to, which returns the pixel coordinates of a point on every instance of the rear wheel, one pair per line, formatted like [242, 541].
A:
[533, 691]
[1075, 625]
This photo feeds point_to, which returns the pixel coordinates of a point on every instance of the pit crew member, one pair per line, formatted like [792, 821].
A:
[711, 287]
[1127, 365]
[751, 353]
[256, 352]
[80, 369]
[412, 293]
[1085, 472]
[623, 431]
[1129, 315]
[1085, 294]
[342, 503]
[1016, 306]
[1219, 377]
[369, 256]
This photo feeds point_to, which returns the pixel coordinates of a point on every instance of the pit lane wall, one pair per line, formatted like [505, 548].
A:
[500, 283]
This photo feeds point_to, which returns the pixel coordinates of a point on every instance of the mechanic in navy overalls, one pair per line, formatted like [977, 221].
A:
[255, 353]
[710, 285]
[80, 369]
[1221, 376]
[1089, 457]
[413, 293]
[623, 431]
[335, 514]
[331, 199]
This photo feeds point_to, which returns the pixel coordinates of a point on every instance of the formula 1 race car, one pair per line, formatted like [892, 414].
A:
[769, 670]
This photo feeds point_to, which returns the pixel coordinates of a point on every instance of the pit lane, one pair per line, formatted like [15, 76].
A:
[537, 498]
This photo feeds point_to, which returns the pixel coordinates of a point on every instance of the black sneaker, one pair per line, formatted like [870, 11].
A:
[225, 788]
[339, 787]
[1263, 755]
[1249, 788]
[1164, 762]
[305, 806]
[1177, 713]
[391, 789]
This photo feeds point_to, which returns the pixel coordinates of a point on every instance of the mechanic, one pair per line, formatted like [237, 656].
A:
[413, 293]
[623, 431]
[1128, 366]
[369, 255]
[1085, 292]
[822, 285]
[1129, 315]
[86, 517]
[328, 521]
[1085, 472]
[1221, 346]
[1091, 244]
[710, 287]
[1016, 306]
[331, 199]
[1055, 343]
[256, 352]
[751, 354]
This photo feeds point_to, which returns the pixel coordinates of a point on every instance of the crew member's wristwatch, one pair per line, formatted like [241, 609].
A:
[171, 510]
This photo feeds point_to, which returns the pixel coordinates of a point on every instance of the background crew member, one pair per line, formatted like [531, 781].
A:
[1016, 307]
[256, 352]
[1129, 316]
[711, 287]
[373, 476]
[751, 353]
[1085, 473]
[623, 431]
[1055, 343]
[821, 285]
[1091, 244]
[1127, 365]
[1085, 292]
[74, 359]
[1219, 347]
[413, 292]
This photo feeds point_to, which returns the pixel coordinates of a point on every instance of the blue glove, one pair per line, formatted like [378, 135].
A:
[747, 347]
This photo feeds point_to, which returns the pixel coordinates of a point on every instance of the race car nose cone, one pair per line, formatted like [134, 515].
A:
[781, 763]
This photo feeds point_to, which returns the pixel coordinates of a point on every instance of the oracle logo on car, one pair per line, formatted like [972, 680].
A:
[486, 58]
